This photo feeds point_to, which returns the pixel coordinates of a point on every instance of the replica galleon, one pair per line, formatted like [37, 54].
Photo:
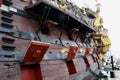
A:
[50, 40]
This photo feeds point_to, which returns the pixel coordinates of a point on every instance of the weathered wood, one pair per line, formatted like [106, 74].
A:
[10, 71]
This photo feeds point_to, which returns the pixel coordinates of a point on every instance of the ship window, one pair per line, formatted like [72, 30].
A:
[45, 29]
[71, 33]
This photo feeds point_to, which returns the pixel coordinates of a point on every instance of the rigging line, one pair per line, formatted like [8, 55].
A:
[92, 72]
[61, 33]
[62, 28]
[40, 23]
[42, 18]
[49, 9]
[78, 33]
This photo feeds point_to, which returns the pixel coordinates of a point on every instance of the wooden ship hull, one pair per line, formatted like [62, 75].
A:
[42, 41]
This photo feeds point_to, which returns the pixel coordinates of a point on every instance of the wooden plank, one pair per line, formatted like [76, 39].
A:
[10, 71]
[54, 70]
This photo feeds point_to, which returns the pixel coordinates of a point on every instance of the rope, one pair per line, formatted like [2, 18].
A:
[91, 71]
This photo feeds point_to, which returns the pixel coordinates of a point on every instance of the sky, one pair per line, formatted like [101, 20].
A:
[110, 12]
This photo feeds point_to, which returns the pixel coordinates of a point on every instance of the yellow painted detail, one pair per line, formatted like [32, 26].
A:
[84, 11]
[105, 40]
[109, 40]
[106, 48]
[64, 50]
[101, 55]
[103, 63]
[97, 37]
[64, 7]
[81, 50]
[96, 43]
[24, 0]
[97, 22]
[101, 31]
